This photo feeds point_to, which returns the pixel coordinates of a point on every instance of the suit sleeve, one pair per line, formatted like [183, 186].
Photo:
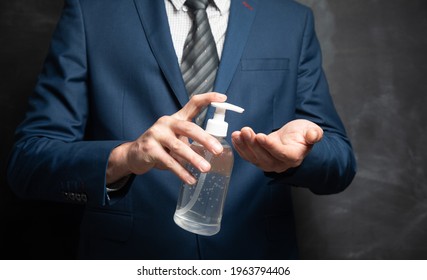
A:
[51, 159]
[330, 166]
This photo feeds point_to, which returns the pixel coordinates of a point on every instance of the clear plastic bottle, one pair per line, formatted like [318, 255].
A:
[200, 206]
[203, 215]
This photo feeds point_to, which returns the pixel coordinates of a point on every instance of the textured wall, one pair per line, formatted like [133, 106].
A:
[375, 54]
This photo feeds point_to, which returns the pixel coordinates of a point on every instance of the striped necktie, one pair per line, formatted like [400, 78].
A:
[200, 57]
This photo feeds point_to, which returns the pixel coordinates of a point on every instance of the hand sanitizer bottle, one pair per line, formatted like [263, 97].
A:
[199, 208]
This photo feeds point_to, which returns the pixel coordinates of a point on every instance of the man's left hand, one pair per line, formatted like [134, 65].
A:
[281, 149]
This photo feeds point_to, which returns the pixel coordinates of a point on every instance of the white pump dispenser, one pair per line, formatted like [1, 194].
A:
[199, 208]
[217, 125]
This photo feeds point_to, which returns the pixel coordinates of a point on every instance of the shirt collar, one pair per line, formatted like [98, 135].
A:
[221, 5]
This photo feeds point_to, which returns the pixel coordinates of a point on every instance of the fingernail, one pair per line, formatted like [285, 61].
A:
[204, 166]
[222, 95]
[190, 180]
[217, 148]
[246, 137]
[237, 140]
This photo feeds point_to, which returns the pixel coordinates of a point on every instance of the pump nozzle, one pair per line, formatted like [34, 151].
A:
[217, 125]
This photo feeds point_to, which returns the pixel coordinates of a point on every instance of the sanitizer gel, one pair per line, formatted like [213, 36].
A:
[199, 208]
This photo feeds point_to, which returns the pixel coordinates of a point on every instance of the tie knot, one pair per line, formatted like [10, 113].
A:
[197, 4]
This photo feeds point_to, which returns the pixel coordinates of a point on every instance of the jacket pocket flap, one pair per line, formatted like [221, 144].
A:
[269, 64]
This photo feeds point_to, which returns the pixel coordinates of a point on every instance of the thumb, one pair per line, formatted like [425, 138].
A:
[313, 135]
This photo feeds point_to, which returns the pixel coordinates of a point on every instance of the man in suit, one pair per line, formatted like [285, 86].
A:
[108, 123]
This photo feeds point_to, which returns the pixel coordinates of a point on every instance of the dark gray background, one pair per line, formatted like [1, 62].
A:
[375, 57]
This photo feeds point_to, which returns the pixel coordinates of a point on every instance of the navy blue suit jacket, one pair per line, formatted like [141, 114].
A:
[112, 71]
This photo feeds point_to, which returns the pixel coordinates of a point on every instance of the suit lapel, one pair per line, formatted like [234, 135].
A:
[156, 26]
[242, 14]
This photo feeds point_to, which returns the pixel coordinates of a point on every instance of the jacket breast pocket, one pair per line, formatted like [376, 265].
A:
[265, 64]
[256, 86]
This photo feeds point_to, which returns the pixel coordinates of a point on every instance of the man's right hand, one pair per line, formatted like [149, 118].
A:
[165, 144]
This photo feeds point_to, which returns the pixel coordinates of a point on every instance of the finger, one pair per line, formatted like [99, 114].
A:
[313, 135]
[198, 134]
[249, 138]
[266, 142]
[255, 153]
[248, 134]
[237, 142]
[181, 151]
[183, 154]
[267, 157]
[258, 152]
[288, 154]
[173, 165]
[243, 146]
[244, 152]
[168, 128]
[184, 139]
[150, 153]
[197, 103]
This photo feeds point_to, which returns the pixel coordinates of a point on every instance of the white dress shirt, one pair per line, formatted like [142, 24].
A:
[180, 23]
